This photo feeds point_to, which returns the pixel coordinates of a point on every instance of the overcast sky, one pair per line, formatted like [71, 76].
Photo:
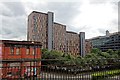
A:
[93, 17]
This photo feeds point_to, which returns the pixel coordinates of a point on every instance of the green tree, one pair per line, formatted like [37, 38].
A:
[45, 54]
[96, 51]
[118, 53]
[110, 51]
[69, 59]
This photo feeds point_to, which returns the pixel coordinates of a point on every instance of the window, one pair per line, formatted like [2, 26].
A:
[28, 51]
[18, 51]
[12, 50]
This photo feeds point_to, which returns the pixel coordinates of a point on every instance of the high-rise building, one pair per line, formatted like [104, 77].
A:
[52, 35]
[72, 43]
[59, 37]
[38, 28]
[88, 46]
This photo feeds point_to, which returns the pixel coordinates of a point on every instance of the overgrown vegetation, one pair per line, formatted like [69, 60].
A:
[95, 58]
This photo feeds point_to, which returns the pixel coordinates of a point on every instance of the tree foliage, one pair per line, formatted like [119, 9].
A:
[95, 58]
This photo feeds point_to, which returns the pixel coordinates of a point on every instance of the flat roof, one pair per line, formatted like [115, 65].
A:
[99, 37]
[59, 24]
[37, 12]
[71, 32]
[21, 42]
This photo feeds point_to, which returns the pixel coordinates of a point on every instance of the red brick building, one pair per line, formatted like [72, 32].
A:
[18, 50]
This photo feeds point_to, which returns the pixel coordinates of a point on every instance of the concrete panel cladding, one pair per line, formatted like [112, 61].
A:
[50, 30]
[82, 44]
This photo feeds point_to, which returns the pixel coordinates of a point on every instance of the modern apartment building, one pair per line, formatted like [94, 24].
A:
[59, 37]
[88, 46]
[109, 41]
[52, 35]
[73, 43]
[38, 28]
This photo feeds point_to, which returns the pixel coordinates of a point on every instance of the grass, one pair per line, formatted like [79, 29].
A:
[105, 74]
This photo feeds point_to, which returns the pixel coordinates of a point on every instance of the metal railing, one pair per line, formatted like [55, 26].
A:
[27, 69]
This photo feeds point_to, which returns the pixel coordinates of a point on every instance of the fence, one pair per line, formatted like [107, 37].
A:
[26, 69]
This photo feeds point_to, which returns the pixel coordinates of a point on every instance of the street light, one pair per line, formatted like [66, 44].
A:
[34, 49]
[34, 68]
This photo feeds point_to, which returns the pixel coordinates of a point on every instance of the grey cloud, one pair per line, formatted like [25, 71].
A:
[101, 30]
[114, 6]
[64, 12]
[4, 11]
[114, 25]
[78, 29]
[13, 27]
[13, 9]
[85, 27]
[13, 20]
[114, 22]
[96, 2]
[119, 16]
[6, 31]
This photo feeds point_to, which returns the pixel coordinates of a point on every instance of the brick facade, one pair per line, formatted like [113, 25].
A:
[59, 37]
[88, 46]
[18, 50]
[73, 46]
[37, 28]
[52, 35]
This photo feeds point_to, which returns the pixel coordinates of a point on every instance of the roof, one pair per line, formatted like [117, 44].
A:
[98, 37]
[37, 12]
[114, 33]
[59, 24]
[21, 42]
[71, 32]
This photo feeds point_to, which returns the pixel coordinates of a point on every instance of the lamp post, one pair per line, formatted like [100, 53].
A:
[34, 61]
[34, 49]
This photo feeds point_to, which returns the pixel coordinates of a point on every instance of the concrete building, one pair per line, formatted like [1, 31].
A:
[52, 35]
[109, 41]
